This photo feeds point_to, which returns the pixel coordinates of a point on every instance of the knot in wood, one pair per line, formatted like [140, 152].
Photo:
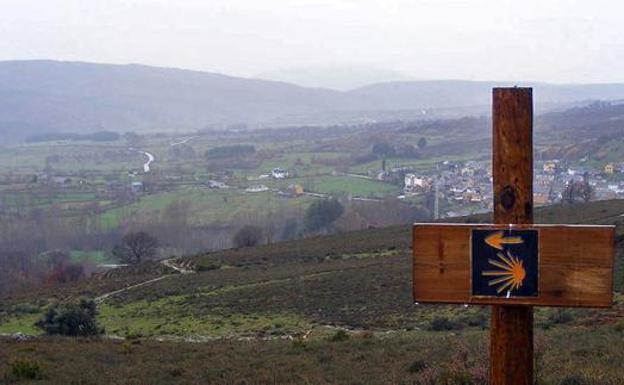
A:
[507, 197]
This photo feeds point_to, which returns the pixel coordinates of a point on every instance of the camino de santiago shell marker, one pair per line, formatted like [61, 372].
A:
[513, 264]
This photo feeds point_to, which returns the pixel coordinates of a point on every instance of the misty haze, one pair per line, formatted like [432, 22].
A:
[223, 192]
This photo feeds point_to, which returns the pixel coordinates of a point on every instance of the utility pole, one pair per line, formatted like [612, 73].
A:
[436, 202]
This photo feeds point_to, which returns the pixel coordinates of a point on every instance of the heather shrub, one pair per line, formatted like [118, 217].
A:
[26, 368]
[417, 366]
[574, 379]
[339, 336]
[441, 323]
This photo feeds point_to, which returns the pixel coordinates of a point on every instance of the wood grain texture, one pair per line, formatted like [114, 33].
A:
[511, 328]
[575, 262]
[512, 158]
[511, 345]
[575, 265]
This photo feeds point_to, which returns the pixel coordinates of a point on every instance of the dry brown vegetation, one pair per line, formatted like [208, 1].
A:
[564, 356]
[253, 300]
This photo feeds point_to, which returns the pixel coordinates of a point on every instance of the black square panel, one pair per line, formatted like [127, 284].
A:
[505, 263]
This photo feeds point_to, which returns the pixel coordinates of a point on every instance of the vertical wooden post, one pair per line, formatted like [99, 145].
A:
[511, 333]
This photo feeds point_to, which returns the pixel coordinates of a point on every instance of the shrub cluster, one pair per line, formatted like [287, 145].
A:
[71, 319]
[441, 323]
[26, 368]
[339, 336]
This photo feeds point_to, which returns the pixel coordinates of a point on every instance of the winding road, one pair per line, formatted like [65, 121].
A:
[150, 159]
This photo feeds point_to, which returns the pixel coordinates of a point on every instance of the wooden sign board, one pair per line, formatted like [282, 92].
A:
[542, 265]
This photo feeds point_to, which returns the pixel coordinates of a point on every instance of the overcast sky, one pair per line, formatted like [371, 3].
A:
[528, 40]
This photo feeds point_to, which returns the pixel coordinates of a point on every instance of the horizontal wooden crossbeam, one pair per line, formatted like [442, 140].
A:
[574, 264]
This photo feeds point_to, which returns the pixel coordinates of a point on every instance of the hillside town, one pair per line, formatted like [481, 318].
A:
[466, 188]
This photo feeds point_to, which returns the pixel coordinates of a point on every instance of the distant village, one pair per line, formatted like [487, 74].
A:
[450, 189]
[460, 189]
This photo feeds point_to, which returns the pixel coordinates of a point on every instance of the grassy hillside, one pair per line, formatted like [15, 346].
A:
[358, 280]
[277, 314]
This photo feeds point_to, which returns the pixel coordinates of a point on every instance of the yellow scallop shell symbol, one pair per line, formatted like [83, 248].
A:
[510, 277]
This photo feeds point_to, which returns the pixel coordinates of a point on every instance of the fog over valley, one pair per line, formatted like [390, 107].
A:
[287, 192]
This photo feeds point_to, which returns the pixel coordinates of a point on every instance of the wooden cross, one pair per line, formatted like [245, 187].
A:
[513, 264]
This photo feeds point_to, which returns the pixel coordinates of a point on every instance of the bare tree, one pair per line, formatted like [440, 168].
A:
[61, 268]
[321, 214]
[577, 190]
[175, 225]
[136, 248]
[247, 236]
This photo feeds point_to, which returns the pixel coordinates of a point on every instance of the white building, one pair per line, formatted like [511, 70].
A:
[413, 181]
[216, 184]
[550, 166]
[257, 188]
[136, 187]
[279, 173]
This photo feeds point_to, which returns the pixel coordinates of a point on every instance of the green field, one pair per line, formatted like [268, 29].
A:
[305, 168]
[68, 157]
[207, 206]
[94, 163]
[89, 256]
[343, 185]
[418, 164]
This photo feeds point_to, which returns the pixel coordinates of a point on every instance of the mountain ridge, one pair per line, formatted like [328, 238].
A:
[40, 96]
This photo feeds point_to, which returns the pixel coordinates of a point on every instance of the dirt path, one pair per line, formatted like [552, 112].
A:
[184, 140]
[170, 263]
[182, 269]
[104, 297]
[187, 269]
